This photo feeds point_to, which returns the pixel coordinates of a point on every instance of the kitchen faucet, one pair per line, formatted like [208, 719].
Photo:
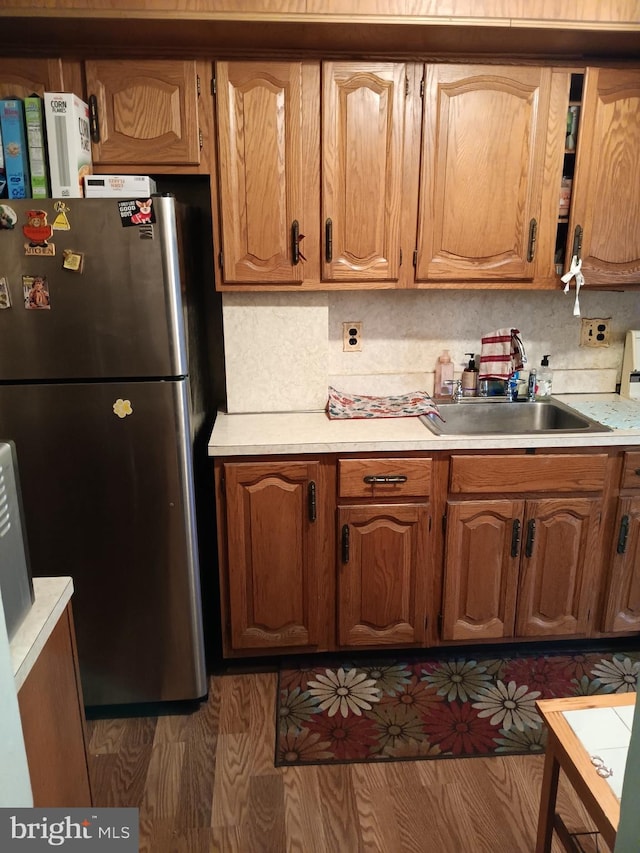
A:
[531, 386]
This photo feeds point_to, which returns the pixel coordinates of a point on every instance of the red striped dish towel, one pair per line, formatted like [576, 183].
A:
[501, 355]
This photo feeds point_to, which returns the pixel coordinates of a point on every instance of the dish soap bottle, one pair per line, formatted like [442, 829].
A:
[545, 378]
[443, 383]
[470, 377]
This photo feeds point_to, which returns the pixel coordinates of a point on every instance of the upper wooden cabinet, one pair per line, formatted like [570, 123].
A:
[487, 207]
[20, 78]
[147, 112]
[362, 146]
[605, 203]
[267, 115]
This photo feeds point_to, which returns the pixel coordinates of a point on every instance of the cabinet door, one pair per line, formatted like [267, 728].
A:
[481, 568]
[362, 144]
[261, 138]
[483, 159]
[20, 78]
[147, 112]
[558, 566]
[605, 199]
[623, 601]
[274, 542]
[383, 574]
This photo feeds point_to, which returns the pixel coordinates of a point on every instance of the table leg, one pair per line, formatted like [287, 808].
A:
[548, 794]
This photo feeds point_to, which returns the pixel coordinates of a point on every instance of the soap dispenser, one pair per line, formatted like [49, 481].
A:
[470, 377]
[443, 383]
[545, 378]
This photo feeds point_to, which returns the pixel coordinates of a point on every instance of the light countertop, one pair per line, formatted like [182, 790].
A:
[313, 432]
[51, 597]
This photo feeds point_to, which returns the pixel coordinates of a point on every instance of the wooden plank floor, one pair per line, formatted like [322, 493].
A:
[206, 782]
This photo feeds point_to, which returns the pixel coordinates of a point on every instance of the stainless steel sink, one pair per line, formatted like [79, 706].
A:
[491, 416]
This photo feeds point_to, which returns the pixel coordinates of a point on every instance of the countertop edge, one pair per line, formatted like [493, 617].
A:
[51, 596]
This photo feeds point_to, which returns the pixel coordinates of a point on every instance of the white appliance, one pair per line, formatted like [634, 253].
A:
[630, 380]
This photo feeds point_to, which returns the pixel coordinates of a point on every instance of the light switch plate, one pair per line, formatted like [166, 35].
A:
[595, 332]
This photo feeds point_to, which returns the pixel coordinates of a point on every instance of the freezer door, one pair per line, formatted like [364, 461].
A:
[119, 316]
[107, 490]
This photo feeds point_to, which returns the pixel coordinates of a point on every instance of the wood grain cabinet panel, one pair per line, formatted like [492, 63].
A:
[622, 613]
[275, 537]
[383, 571]
[20, 78]
[482, 188]
[147, 112]
[263, 179]
[605, 202]
[362, 145]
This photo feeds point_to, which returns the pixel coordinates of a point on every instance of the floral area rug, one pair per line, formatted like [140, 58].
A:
[449, 708]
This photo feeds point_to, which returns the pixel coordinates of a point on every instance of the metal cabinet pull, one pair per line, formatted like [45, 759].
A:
[531, 535]
[345, 543]
[515, 538]
[328, 241]
[311, 494]
[94, 124]
[533, 236]
[622, 535]
[295, 249]
[577, 242]
[396, 478]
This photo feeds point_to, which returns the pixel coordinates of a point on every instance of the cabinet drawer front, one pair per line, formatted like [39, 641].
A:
[376, 478]
[557, 473]
[631, 471]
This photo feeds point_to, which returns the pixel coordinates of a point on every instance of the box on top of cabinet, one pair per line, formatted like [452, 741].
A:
[37, 147]
[14, 148]
[68, 142]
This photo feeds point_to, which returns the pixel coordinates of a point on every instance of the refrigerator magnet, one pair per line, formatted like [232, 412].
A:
[61, 223]
[8, 218]
[71, 260]
[136, 212]
[122, 408]
[38, 232]
[36, 292]
[5, 295]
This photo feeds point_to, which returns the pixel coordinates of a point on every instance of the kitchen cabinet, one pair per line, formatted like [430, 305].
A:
[268, 117]
[279, 126]
[275, 550]
[148, 113]
[521, 562]
[384, 558]
[622, 608]
[53, 723]
[605, 202]
[20, 78]
[363, 106]
[491, 164]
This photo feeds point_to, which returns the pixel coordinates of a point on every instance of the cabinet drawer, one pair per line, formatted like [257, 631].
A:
[557, 473]
[631, 471]
[376, 478]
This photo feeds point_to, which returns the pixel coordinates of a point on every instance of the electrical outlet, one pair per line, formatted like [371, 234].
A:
[595, 332]
[352, 337]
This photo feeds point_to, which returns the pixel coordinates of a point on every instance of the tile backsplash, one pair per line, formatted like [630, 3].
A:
[282, 350]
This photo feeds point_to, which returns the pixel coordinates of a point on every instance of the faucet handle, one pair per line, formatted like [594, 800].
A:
[456, 389]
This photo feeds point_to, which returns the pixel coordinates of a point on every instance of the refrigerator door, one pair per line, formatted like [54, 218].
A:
[107, 490]
[119, 316]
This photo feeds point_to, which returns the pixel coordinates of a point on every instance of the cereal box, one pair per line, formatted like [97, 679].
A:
[3, 176]
[36, 146]
[68, 143]
[14, 148]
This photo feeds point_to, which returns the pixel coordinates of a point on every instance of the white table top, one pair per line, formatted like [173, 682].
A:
[51, 597]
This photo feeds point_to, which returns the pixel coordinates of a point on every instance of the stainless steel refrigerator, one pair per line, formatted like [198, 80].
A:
[100, 392]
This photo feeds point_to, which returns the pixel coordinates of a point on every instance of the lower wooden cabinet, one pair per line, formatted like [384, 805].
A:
[382, 574]
[518, 568]
[53, 723]
[275, 558]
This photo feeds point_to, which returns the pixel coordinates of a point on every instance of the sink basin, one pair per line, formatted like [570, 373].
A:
[488, 416]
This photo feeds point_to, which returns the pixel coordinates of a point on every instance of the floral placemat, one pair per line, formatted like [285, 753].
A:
[341, 405]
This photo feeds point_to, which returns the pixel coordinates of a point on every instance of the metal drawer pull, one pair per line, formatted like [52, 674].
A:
[345, 543]
[515, 538]
[397, 478]
[531, 535]
[622, 534]
[312, 501]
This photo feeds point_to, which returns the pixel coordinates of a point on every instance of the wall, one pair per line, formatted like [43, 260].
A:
[282, 350]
